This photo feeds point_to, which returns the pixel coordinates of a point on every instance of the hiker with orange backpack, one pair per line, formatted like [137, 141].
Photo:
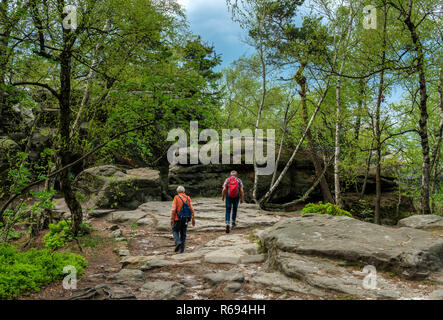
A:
[181, 213]
[233, 191]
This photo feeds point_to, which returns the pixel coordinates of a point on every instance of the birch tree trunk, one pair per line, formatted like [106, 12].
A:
[92, 73]
[338, 123]
[262, 104]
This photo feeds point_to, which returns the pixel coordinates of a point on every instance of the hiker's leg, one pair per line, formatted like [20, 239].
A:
[228, 209]
[234, 208]
[183, 236]
[176, 232]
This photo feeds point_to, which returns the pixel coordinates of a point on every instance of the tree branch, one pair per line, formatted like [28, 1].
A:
[37, 182]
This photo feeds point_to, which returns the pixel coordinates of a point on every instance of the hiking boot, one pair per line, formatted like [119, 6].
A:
[177, 247]
[227, 228]
[233, 225]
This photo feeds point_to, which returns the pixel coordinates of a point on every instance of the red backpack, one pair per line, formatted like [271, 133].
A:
[233, 186]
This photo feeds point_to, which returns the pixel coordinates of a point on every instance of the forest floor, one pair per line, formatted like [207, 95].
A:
[131, 256]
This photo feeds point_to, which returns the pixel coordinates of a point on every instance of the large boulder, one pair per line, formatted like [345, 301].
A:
[207, 180]
[111, 187]
[408, 252]
[41, 139]
[425, 222]
[8, 148]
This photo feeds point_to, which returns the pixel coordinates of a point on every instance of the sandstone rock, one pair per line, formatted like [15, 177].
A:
[233, 287]
[126, 217]
[117, 233]
[146, 221]
[425, 222]
[156, 263]
[103, 292]
[100, 276]
[224, 256]
[97, 213]
[223, 276]
[256, 258]
[189, 281]
[128, 275]
[123, 253]
[275, 281]
[111, 187]
[408, 252]
[163, 290]
[8, 151]
[206, 180]
[135, 261]
[197, 254]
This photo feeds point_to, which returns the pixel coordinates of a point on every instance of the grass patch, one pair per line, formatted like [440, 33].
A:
[24, 272]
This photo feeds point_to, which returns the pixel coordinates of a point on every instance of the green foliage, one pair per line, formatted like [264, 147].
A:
[261, 248]
[26, 272]
[325, 208]
[33, 207]
[61, 233]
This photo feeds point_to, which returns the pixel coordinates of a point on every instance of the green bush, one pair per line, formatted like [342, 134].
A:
[61, 233]
[27, 271]
[325, 208]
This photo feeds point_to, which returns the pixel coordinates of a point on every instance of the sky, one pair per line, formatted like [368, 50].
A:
[212, 21]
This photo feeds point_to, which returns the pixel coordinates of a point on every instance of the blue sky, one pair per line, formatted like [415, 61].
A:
[212, 21]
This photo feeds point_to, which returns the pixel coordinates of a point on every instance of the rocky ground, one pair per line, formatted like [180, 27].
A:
[268, 256]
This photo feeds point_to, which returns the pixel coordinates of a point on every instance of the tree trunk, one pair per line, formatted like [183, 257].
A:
[257, 125]
[377, 127]
[368, 167]
[301, 80]
[3, 64]
[297, 148]
[338, 123]
[338, 128]
[64, 131]
[359, 111]
[280, 150]
[438, 141]
[92, 73]
[423, 122]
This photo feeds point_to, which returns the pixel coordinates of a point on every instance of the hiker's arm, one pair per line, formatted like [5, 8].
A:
[192, 212]
[224, 193]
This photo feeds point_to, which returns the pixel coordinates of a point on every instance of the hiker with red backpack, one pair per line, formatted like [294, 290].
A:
[181, 213]
[233, 191]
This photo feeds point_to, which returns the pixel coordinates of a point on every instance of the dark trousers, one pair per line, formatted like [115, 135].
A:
[179, 233]
[231, 203]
